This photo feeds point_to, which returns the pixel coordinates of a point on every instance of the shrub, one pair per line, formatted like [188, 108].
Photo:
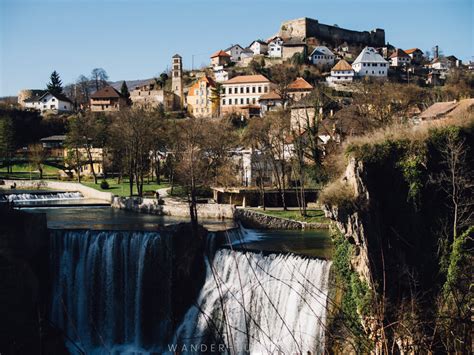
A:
[104, 185]
[337, 193]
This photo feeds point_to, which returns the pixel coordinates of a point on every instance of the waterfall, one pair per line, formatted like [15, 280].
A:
[271, 303]
[47, 196]
[110, 289]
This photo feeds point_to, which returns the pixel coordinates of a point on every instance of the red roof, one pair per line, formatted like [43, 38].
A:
[106, 93]
[220, 53]
[411, 50]
[400, 53]
[195, 86]
[300, 84]
[247, 79]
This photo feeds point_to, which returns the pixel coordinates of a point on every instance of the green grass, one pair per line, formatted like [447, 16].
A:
[123, 189]
[27, 171]
[313, 216]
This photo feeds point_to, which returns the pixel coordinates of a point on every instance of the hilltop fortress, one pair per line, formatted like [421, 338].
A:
[305, 28]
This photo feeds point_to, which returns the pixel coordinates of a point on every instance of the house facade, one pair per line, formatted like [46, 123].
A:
[107, 99]
[275, 47]
[370, 63]
[200, 99]
[270, 102]
[220, 59]
[235, 52]
[322, 55]
[259, 47]
[49, 103]
[415, 54]
[299, 89]
[399, 58]
[150, 96]
[294, 46]
[220, 74]
[341, 73]
[241, 94]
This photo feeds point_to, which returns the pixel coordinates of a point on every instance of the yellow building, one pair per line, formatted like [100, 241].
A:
[200, 100]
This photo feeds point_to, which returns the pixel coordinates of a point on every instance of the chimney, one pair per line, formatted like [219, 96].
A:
[436, 52]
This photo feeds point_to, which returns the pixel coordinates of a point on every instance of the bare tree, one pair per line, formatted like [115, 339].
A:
[37, 156]
[99, 77]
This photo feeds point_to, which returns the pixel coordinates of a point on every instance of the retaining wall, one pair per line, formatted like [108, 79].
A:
[87, 192]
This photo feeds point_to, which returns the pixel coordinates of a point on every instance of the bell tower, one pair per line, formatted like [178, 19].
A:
[177, 82]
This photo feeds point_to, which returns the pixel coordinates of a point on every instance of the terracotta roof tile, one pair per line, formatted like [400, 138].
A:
[400, 53]
[105, 93]
[244, 79]
[299, 84]
[411, 50]
[272, 95]
[220, 53]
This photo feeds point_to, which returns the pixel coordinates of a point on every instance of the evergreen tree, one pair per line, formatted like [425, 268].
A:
[55, 86]
[125, 93]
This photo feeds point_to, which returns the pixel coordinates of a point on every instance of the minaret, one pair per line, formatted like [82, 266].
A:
[177, 82]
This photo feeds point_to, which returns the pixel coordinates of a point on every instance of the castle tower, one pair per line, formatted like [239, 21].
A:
[177, 82]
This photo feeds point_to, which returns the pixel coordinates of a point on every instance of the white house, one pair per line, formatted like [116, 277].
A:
[258, 47]
[246, 53]
[441, 64]
[275, 47]
[341, 73]
[220, 74]
[399, 58]
[322, 55]
[235, 52]
[370, 63]
[54, 103]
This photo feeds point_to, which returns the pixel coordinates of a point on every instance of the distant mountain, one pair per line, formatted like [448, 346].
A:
[132, 84]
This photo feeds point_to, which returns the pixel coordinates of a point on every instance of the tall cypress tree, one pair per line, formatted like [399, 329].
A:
[125, 93]
[55, 86]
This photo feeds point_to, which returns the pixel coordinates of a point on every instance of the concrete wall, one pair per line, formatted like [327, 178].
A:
[87, 192]
[151, 206]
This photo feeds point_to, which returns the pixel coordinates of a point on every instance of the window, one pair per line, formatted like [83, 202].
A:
[241, 90]
[51, 107]
[259, 89]
[254, 100]
[223, 102]
[64, 106]
[247, 90]
[229, 91]
[53, 99]
[253, 89]
[248, 100]
[241, 101]
[265, 89]
[197, 101]
[44, 106]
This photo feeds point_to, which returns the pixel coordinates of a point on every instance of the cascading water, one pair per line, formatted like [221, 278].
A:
[47, 196]
[256, 303]
[111, 289]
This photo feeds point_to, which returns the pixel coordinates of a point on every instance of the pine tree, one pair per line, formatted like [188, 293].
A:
[125, 93]
[55, 86]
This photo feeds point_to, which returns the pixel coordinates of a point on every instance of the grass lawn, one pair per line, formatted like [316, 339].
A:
[313, 216]
[123, 189]
[27, 171]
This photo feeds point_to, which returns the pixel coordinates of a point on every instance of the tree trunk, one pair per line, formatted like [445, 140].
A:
[91, 164]
[158, 171]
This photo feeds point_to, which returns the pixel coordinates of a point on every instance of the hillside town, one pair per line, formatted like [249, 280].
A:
[328, 84]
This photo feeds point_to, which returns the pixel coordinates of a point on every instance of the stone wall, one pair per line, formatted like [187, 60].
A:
[86, 191]
[171, 208]
[254, 219]
[307, 27]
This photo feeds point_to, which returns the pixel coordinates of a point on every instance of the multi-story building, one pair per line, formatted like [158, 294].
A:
[177, 82]
[201, 98]
[107, 99]
[235, 52]
[370, 63]
[299, 89]
[49, 103]
[399, 58]
[322, 55]
[275, 47]
[259, 47]
[341, 73]
[220, 59]
[241, 94]
[415, 54]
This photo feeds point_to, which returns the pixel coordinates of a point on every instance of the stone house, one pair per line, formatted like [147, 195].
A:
[292, 46]
[151, 96]
[200, 99]
[220, 59]
[299, 89]
[107, 99]
[271, 101]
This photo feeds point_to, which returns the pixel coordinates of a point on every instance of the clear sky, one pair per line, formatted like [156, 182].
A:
[135, 39]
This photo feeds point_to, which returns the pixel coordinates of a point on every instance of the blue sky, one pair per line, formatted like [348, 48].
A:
[135, 39]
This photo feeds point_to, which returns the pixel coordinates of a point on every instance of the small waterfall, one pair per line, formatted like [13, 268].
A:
[110, 290]
[271, 303]
[47, 196]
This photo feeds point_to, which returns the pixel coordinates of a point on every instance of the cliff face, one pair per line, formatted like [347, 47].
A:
[400, 216]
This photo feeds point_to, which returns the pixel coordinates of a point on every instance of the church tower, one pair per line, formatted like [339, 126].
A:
[177, 82]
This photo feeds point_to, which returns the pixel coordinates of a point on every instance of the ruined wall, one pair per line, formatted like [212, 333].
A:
[307, 27]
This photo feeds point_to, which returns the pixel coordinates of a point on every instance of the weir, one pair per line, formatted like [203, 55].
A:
[117, 291]
[40, 196]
